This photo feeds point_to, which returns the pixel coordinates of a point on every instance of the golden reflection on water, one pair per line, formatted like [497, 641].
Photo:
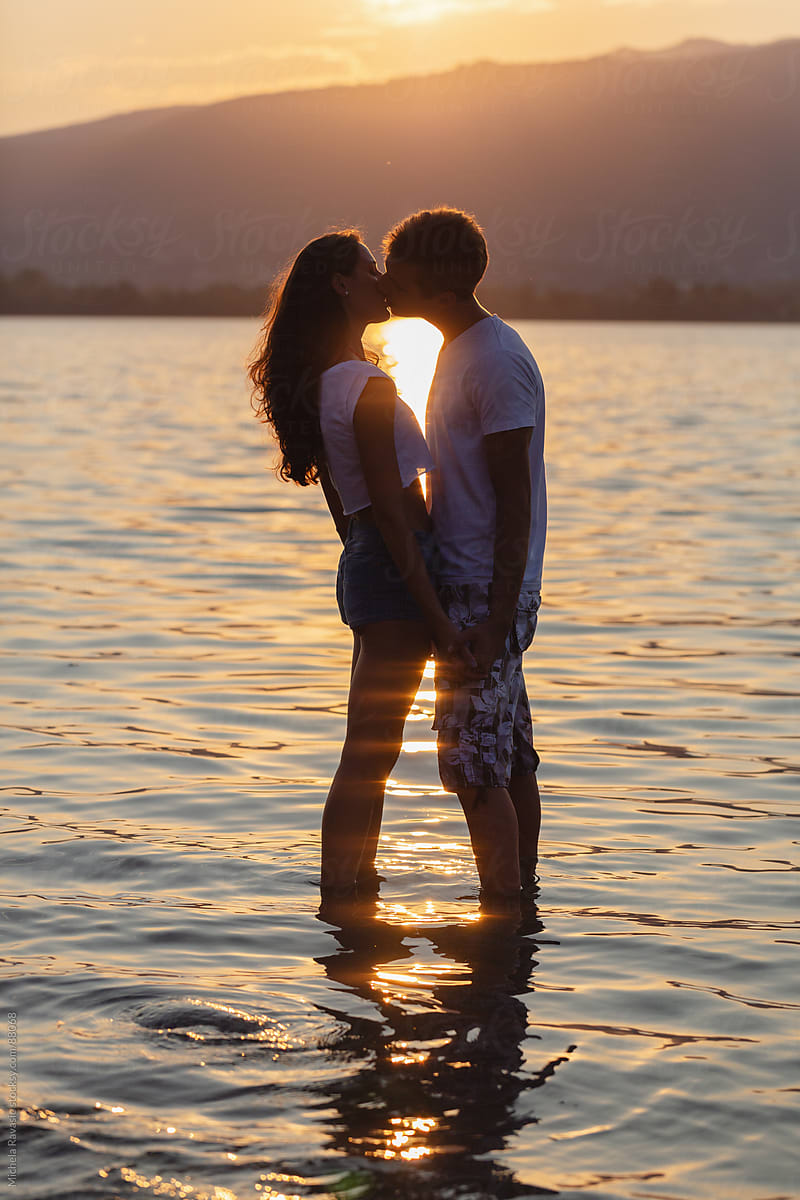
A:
[417, 747]
[398, 852]
[420, 975]
[404, 1139]
[176, 692]
[448, 1044]
[427, 913]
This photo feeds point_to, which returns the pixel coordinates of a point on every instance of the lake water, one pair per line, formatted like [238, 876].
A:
[186, 1023]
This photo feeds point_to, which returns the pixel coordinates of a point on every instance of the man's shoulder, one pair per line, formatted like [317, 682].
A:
[493, 361]
[508, 342]
[502, 356]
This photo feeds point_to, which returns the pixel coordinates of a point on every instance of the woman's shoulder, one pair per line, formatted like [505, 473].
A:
[343, 385]
[355, 368]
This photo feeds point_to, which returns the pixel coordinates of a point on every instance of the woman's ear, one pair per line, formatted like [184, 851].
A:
[339, 285]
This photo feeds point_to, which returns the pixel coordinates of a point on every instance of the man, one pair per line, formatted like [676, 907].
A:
[485, 430]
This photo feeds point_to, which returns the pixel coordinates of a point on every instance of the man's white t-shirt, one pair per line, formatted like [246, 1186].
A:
[486, 381]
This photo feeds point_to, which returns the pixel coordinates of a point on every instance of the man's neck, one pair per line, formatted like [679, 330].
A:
[459, 317]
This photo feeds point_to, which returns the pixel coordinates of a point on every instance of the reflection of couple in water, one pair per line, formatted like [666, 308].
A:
[460, 576]
[431, 1056]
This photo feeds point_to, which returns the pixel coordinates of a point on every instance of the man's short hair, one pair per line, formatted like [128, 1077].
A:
[446, 245]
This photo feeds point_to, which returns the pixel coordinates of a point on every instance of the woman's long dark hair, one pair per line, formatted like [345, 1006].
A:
[305, 331]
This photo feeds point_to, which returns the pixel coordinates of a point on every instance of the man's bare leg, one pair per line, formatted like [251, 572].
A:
[494, 833]
[524, 791]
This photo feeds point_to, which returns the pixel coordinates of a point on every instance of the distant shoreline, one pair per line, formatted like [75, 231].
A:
[33, 293]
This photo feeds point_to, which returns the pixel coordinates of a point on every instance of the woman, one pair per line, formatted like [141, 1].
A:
[339, 422]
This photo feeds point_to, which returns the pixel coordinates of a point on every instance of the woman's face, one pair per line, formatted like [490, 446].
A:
[365, 301]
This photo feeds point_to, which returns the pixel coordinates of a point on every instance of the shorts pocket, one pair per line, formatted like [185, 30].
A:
[465, 603]
[525, 619]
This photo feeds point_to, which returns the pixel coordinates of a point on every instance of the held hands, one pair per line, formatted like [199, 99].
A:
[451, 648]
[487, 642]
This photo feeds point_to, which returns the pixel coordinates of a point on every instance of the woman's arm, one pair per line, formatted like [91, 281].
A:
[373, 424]
[333, 501]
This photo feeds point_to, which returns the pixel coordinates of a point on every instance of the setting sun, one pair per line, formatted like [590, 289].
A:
[409, 12]
[410, 348]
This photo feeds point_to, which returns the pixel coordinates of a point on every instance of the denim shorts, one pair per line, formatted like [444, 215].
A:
[369, 585]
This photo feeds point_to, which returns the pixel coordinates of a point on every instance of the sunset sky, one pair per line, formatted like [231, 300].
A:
[71, 60]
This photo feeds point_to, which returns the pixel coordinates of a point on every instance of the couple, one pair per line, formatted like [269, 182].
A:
[460, 576]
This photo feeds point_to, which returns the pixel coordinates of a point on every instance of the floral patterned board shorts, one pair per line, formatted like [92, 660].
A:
[485, 731]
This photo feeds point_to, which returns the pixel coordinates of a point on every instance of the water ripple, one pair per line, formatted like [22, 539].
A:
[189, 1022]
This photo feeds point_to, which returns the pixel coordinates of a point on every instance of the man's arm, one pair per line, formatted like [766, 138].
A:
[510, 474]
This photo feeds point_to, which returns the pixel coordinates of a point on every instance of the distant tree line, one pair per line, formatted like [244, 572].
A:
[658, 299]
[32, 292]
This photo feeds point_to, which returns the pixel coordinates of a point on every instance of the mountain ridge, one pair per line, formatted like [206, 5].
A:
[586, 172]
[687, 48]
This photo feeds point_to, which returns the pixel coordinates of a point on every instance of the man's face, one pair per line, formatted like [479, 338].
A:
[400, 285]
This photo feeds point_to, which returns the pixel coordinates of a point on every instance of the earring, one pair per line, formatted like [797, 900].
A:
[346, 292]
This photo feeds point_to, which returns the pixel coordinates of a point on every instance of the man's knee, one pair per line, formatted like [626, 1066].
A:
[481, 797]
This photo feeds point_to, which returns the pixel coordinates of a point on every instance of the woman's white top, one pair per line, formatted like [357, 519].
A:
[340, 389]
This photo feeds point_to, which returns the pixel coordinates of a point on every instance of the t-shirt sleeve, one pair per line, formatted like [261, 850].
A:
[507, 393]
[362, 372]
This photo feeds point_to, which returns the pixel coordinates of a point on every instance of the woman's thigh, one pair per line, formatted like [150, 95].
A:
[387, 670]
[356, 649]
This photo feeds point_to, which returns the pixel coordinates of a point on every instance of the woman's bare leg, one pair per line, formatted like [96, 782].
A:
[366, 877]
[386, 674]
